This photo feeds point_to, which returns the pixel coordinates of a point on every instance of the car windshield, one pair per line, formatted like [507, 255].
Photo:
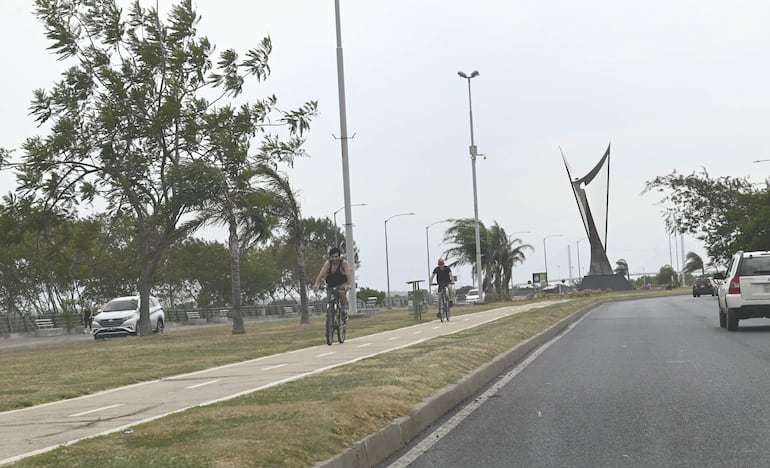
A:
[473, 292]
[121, 304]
[751, 266]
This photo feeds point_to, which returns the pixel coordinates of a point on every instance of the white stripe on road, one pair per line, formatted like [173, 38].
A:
[431, 439]
[325, 354]
[394, 338]
[94, 410]
[364, 345]
[274, 367]
[203, 384]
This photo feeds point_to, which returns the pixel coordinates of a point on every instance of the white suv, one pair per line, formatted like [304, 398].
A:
[745, 291]
[120, 316]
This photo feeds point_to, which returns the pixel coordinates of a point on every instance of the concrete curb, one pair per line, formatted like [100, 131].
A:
[377, 447]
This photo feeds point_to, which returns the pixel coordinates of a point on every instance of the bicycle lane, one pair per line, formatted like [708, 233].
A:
[29, 431]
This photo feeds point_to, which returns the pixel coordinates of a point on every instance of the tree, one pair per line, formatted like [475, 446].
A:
[728, 214]
[621, 268]
[693, 262]
[286, 207]
[130, 121]
[499, 253]
[666, 276]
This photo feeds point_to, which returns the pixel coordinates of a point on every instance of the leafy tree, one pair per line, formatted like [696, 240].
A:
[666, 276]
[195, 270]
[728, 214]
[362, 294]
[621, 268]
[130, 120]
[693, 262]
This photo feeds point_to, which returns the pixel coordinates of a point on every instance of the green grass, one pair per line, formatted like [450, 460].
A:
[295, 424]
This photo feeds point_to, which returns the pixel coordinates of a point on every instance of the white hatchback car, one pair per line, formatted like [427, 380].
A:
[472, 297]
[745, 291]
[119, 317]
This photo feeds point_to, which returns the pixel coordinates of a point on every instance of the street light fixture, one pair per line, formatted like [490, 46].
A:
[474, 153]
[336, 244]
[427, 248]
[545, 257]
[387, 264]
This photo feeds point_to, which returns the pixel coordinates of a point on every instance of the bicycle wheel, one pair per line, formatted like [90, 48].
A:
[448, 308]
[341, 328]
[330, 312]
[442, 305]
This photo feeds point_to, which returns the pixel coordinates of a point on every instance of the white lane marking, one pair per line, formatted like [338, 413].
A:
[364, 345]
[325, 354]
[394, 338]
[94, 410]
[203, 384]
[274, 367]
[431, 439]
[417, 332]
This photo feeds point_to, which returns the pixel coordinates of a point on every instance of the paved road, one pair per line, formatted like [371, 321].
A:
[649, 383]
[41, 428]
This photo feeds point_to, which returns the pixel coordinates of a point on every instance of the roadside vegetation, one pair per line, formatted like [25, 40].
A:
[295, 424]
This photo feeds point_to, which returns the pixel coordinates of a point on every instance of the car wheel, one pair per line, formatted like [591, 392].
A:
[732, 320]
[722, 319]
[159, 327]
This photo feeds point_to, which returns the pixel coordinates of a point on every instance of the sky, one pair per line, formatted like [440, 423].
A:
[673, 85]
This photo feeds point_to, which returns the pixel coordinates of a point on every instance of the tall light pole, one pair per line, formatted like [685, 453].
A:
[427, 249]
[336, 244]
[474, 153]
[353, 304]
[580, 270]
[545, 257]
[387, 264]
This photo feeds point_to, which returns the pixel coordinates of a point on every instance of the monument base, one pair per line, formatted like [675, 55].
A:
[613, 282]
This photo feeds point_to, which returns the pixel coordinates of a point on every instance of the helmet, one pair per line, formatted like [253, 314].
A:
[440, 261]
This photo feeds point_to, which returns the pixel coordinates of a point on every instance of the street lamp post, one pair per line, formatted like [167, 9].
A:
[387, 264]
[336, 244]
[474, 153]
[580, 270]
[344, 149]
[427, 249]
[545, 257]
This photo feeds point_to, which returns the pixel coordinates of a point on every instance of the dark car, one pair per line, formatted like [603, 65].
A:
[703, 286]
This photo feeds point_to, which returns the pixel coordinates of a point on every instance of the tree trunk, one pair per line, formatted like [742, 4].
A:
[304, 313]
[235, 273]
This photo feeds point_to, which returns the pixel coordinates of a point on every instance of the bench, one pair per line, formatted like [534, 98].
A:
[46, 327]
[221, 317]
[194, 318]
[44, 323]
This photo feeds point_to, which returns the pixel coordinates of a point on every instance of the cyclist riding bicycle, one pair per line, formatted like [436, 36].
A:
[444, 278]
[337, 273]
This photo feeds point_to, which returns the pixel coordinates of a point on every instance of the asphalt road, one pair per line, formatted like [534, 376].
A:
[647, 383]
[37, 429]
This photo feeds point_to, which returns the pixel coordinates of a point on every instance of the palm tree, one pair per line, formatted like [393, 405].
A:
[622, 268]
[462, 234]
[693, 263]
[243, 209]
[499, 253]
[286, 208]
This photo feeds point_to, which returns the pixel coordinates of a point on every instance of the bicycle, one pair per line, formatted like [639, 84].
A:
[443, 301]
[334, 321]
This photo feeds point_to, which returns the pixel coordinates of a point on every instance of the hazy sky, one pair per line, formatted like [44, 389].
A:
[674, 85]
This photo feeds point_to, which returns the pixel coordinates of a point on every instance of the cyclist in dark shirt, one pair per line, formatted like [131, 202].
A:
[443, 275]
[337, 273]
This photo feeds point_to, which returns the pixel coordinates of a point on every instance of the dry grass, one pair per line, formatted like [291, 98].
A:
[298, 423]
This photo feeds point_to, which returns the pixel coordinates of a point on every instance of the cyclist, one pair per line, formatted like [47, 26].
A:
[336, 271]
[443, 275]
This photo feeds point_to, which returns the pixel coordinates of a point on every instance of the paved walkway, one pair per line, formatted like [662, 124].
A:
[38, 429]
